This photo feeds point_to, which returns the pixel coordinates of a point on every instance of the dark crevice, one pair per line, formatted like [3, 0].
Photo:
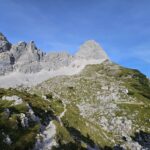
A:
[142, 138]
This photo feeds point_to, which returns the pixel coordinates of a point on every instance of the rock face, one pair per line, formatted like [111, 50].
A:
[54, 61]
[91, 50]
[5, 56]
[5, 63]
[4, 44]
[27, 58]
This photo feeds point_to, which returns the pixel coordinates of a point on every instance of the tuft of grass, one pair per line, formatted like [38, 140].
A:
[136, 82]
[57, 106]
[82, 129]
[141, 113]
[62, 135]
[10, 124]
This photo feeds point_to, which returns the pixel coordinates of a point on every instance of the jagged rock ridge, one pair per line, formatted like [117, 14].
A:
[5, 45]
[26, 58]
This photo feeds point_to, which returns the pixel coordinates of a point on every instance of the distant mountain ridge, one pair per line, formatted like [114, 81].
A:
[26, 58]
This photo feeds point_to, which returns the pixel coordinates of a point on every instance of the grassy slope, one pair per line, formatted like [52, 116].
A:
[77, 131]
[22, 138]
[78, 88]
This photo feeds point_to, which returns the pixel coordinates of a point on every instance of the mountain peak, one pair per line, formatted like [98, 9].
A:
[27, 58]
[2, 37]
[32, 46]
[5, 45]
[91, 50]
[91, 42]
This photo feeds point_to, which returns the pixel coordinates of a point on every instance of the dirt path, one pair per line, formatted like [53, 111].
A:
[130, 103]
[63, 113]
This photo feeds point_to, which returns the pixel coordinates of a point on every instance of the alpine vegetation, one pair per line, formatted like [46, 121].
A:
[56, 101]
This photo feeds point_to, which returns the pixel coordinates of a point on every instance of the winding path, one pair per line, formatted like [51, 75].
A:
[65, 109]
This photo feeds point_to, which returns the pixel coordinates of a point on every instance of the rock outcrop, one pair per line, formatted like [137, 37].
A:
[5, 57]
[5, 45]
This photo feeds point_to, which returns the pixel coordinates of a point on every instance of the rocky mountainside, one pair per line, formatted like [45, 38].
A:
[31, 66]
[113, 101]
[87, 103]
[27, 58]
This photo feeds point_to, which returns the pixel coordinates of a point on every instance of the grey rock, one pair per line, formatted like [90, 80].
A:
[5, 45]
[27, 58]
[26, 53]
[5, 63]
[24, 120]
[54, 61]
[16, 100]
[91, 50]
[7, 140]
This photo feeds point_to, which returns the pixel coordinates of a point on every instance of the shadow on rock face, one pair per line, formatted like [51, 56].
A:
[77, 135]
[12, 60]
[142, 138]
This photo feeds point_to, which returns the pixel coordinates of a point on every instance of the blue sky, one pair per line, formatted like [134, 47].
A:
[122, 27]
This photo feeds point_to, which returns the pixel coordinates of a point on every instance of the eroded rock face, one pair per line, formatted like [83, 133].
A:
[27, 58]
[54, 61]
[5, 63]
[4, 44]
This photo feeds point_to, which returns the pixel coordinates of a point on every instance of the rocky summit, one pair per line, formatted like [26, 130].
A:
[91, 50]
[24, 59]
[57, 101]
[5, 45]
